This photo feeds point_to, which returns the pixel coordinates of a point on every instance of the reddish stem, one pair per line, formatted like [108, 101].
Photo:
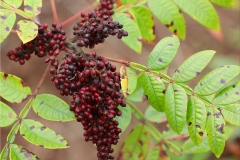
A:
[78, 14]
[116, 60]
[54, 10]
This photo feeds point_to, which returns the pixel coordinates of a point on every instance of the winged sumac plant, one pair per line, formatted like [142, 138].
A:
[102, 98]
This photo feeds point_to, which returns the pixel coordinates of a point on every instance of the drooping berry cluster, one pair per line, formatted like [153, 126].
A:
[45, 43]
[96, 25]
[95, 87]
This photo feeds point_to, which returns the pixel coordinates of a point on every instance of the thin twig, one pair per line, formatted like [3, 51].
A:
[71, 45]
[54, 10]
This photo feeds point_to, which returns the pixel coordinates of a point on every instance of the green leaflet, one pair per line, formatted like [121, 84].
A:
[52, 108]
[231, 113]
[157, 153]
[170, 134]
[173, 148]
[14, 3]
[13, 89]
[196, 119]
[135, 111]
[176, 107]
[7, 115]
[144, 19]
[19, 153]
[33, 7]
[193, 66]
[128, 80]
[190, 148]
[26, 30]
[215, 131]
[125, 119]
[223, 3]
[168, 14]
[128, 1]
[7, 20]
[154, 116]
[154, 89]
[136, 144]
[134, 38]
[4, 153]
[163, 53]
[202, 11]
[216, 79]
[138, 94]
[36, 133]
[228, 95]
[155, 133]
[13, 133]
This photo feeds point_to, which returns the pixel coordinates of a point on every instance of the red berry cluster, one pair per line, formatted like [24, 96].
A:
[95, 87]
[95, 26]
[46, 42]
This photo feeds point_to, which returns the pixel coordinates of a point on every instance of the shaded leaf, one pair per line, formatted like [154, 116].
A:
[157, 153]
[224, 3]
[128, 80]
[215, 131]
[14, 3]
[125, 119]
[154, 132]
[231, 114]
[173, 148]
[4, 153]
[168, 14]
[26, 30]
[136, 144]
[134, 38]
[7, 115]
[176, 107]
[135, 111]
[36, 133]
[216, 79]
[13, 89]
[196, 119]
[52, 108]
[144, 19]
[7, 20]
[193, 66]
[33, 7]
[170, 134]
[13, 133]
[201, 11]
[154, 89]
[163, 53]
[153, 115]
[138, 94]
[19, 153]
[228, 95]
[190, 148]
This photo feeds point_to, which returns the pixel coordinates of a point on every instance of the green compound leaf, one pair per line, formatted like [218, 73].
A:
[168, 14]
[231, 114]
[157, 153]
[228, 95]
[7, 115]
[136, 144]
[4, 153]
[193, 66]
[14, 3]
[190, 148]
[134, 38]
[163, 53]
[154, 116]
[202, 11]
[52, 108]
[13, 89]
[19, 153]
[215, 131]
[224, 3]
[36, 133]
[135, 111]
[172, 148]
[144, 19]
[128, 80]
[155, 133]
[7, 20]
[176, 107]
[26, 30]
[138, 94]
[125, 119]
[216, 79]
[13, 133]
[33, 7]
[154, 89]
[196, 119]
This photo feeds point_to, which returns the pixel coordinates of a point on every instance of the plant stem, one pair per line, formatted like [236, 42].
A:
[54, 10]
[79, 13]
[78, 49]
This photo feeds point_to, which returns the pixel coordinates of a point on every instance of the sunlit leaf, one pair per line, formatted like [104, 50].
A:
[13, 133]
[4, 153]
[26, 30]
[224, 3]
[231, 114]
[190, 148]
[138, 94]
[33, 7]
[7, 115]
[14, 3]
[19, 153]
[125, 119]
